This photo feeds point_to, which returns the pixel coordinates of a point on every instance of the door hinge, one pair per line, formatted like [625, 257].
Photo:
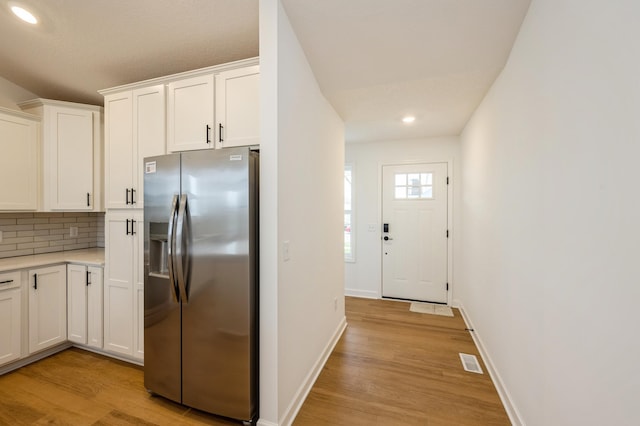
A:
[447, 180]
[447, 233]
[447, 286]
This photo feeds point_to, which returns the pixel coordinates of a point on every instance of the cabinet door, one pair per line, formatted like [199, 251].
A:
[118, 282]
[119, 150]
[138, 289]
[149, 131]
[238, 107]
[94, 307]
[10, 317]
[47, 307]
[18, 163]
[190, 114]
[77, 287]
[70, 136]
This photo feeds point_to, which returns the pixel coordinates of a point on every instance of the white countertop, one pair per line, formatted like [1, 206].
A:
[91, 257]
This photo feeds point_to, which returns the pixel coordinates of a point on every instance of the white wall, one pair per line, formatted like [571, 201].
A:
[11, 94]
[302, 204]
[363, 277]
[550, 216]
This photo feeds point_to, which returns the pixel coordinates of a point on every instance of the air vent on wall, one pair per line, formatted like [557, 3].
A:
[470, 363]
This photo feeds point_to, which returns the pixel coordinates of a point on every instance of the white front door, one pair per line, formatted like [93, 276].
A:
[414, 238]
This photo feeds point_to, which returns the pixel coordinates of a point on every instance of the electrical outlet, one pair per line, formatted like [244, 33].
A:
[73, 231]
[372, 227]
[335, 303]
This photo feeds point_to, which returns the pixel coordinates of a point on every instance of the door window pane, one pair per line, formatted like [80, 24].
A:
[349, 239]
[413, 186]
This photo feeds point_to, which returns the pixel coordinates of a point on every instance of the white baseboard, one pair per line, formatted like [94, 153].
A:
[366, 294]
[505, 396]
[266, 423]
[300, 396]
[33, 358]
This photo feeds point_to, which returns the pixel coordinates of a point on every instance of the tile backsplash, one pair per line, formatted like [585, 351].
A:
[35, 233]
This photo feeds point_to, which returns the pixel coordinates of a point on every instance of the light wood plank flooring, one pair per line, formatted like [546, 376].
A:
[395, 367]
[391, 367]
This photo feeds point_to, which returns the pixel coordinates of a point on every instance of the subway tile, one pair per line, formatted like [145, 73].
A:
[8, 221]
[47, 250]
[48, 226]
[47, 238]
[16, 253]
[17, 240]
[52, 214]
[62, 220]
[4, 228]
[76, 246]
[7, 247]
[20, 215]
[32, 233]
[10, 234]
[33, 245]
[76, 214]
[33, 220]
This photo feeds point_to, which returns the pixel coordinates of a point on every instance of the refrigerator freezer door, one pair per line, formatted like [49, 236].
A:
[162, 370]
[218, 332]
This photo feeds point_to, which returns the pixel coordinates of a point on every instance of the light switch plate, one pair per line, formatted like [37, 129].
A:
[372, 227]
[285, 251]
[0, 236]
[73, 231]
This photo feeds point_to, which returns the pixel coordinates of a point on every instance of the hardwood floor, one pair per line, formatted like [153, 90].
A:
[391, 367]
[76, 387]
[395, 367]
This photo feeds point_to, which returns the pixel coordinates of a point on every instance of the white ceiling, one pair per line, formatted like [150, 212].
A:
[82, 46]
[375, 60]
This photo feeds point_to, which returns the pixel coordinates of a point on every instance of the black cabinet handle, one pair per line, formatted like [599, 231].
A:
[88, 203]
[133, 232]
[127, 226]
[127, 196]
[220, 127]
[133, 200]
[88, 278]
[207, 134]
[35, 281]
[6, 281]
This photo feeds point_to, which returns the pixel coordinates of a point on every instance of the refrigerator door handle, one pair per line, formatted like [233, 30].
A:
[182, 242]
[171, 246]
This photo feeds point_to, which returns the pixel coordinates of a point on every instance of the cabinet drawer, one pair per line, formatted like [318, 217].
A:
[9, 280]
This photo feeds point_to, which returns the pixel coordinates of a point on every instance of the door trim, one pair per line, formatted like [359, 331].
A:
[450, 227]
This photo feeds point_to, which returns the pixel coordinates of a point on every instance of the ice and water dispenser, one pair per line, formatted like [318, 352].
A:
[158, 249]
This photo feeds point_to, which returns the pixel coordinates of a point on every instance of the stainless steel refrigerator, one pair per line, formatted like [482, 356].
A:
[200, 258]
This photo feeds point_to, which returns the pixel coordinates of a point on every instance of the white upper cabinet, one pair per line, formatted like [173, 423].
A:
[72, 159]
[238, 107]
[134, 129]
[18, 160]
[190, 114]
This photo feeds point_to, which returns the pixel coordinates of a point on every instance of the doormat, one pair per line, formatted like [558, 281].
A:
[431, 308]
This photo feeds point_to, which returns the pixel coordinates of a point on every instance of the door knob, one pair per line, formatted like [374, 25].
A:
[386, 238]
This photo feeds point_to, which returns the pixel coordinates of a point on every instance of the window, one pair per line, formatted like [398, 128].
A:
[349, 237]
[413, 186]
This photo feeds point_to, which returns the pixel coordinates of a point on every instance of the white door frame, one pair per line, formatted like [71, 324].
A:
[450, 172]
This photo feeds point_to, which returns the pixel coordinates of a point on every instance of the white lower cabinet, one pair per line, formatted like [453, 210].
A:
[10, 317]
[84, 300]
[47, 307]
[123, 283]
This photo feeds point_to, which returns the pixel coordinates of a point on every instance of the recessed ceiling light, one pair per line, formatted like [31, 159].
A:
[409, 119]
[24, 14]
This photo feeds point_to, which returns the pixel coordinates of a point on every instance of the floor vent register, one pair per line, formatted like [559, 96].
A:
[470, 363]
